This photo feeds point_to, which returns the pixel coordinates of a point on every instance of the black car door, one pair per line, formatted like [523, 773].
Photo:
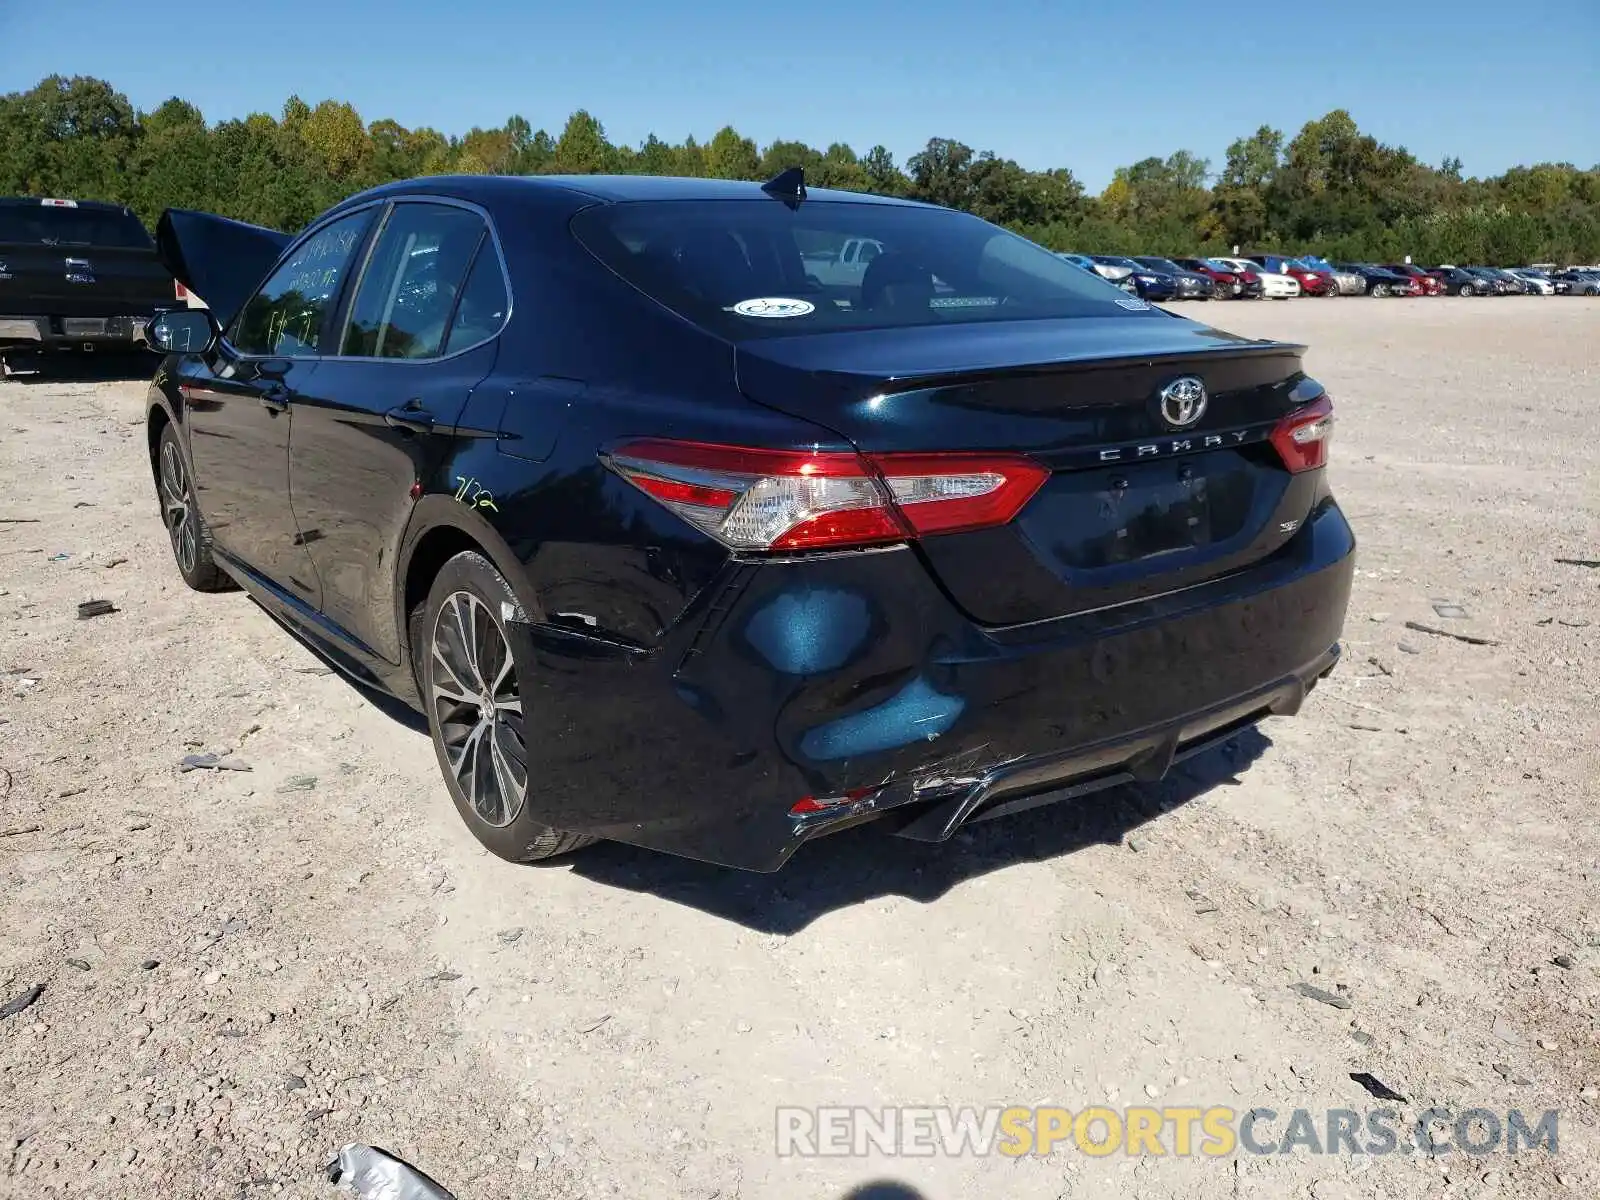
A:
[417, 335]
[239, 410]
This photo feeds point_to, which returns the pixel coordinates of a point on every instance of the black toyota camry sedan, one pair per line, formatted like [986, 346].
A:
[679, 543]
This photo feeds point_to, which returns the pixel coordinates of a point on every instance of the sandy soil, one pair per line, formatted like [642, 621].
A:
[244, 970]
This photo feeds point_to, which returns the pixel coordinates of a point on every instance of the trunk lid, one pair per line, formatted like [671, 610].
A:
[217, 259]
[1135, 505]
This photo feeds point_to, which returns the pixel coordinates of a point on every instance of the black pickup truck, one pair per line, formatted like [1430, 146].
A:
[76, 275]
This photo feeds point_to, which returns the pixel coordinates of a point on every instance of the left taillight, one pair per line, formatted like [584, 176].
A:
[754, 499]
[1302, 437]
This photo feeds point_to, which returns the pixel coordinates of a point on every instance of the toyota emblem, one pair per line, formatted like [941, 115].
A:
[1183, 402]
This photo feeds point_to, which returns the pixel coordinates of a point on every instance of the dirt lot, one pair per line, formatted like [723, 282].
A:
[245, 970]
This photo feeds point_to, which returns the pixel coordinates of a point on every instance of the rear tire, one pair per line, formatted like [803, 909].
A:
[187, 530]
[472, 694]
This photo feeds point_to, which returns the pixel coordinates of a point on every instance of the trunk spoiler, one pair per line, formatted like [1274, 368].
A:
[219, 260]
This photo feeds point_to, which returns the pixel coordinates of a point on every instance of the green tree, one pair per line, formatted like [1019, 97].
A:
[582, 148]
[1332, 189]
[729, 156]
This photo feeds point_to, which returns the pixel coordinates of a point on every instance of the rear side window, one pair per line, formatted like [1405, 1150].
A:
[409, 288]
[286, 316]
[53, 225]
[757, 268]
[484, 302]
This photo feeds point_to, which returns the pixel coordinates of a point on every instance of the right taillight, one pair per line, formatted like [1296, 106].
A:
[1302, 437]
[788, 500]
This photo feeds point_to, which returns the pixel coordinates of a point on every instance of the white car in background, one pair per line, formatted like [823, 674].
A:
[1273, 285]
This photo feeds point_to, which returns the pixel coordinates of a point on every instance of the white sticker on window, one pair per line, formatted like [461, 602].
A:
[774, 306]
[1133, 305]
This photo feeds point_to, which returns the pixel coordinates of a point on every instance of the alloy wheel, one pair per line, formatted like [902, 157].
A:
[477, 708]
[177, 508]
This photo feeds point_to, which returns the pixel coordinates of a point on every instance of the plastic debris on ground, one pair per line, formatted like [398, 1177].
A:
[374, 1174]
[211, 762]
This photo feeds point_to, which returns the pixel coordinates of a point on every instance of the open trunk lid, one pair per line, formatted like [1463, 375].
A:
[1136, 504]
[218, 259]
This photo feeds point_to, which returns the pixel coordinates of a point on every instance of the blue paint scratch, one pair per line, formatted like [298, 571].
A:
[803, 633]
[915, 713]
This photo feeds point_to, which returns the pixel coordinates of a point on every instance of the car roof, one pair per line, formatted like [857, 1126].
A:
[614, 189]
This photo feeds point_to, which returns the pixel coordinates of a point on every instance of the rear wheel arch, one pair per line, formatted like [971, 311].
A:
[440, 529]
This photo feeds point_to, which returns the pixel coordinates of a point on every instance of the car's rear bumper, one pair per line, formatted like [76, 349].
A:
[48, 333]
[854, 675]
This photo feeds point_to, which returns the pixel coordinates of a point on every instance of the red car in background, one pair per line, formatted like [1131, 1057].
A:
[1312, 282]
[1230, 284]
[1428, 284]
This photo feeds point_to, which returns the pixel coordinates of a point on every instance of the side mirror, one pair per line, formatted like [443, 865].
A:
[182, 331]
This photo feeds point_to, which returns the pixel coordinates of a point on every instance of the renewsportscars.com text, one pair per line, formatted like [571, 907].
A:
[1213, 1132]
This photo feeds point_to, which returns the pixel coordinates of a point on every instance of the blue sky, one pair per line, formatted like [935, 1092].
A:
[1078, 83]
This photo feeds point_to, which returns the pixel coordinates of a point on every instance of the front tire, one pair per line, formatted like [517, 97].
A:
[472, 691]
[1464, 290]
[1380, 290]
[180, 513]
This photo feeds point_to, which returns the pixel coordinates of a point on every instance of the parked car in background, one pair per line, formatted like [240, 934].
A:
[1535, 283]
[1273, 285]
[1501, 283]
[609, 543]
[1121, 276]
[1579, 281]
[1148, 284]
[1191, 284]
[1429, 285]
[1312, 282]
[1461, 282]
[1517, 284]
[1228, 283]
[1381, 281]
[76, 276]
[1349, 283]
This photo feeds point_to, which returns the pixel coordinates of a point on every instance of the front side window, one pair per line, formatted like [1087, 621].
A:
[408, 291]
[757, 268]
[285, 317]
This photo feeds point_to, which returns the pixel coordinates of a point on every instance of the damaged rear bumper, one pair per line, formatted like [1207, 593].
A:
[853, 680]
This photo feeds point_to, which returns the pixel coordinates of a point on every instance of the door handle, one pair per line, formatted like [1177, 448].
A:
[275, 398]
[412, 416]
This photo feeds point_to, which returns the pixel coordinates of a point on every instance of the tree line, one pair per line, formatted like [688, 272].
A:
[1331, 189]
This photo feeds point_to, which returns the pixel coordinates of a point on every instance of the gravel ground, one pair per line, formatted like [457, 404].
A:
[244, 970]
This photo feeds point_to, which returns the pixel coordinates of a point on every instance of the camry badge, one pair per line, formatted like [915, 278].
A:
[1183, 402]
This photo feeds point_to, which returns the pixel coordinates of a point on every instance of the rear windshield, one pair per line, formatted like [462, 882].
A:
[757, 268]
[49, 225]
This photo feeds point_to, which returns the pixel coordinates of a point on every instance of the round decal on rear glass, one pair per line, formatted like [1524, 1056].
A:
[774, 306]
